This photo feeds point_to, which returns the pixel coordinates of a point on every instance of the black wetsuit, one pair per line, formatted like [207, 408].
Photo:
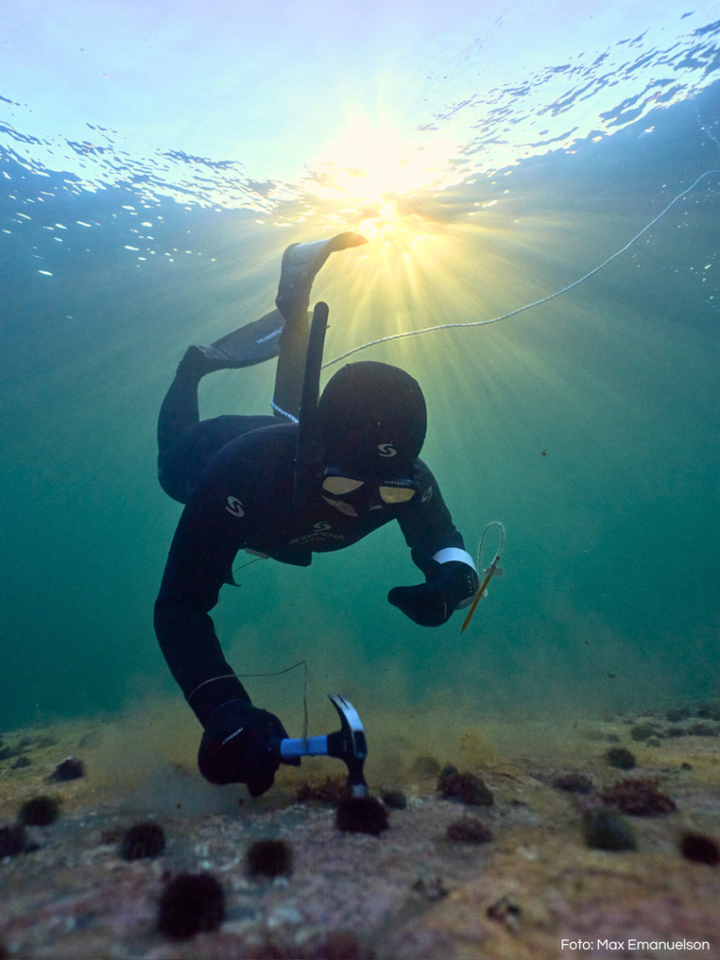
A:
[239, 494]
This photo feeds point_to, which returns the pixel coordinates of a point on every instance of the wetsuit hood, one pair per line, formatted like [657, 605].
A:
[371, 421]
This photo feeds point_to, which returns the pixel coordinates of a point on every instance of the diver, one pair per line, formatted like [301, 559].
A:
[318, 475]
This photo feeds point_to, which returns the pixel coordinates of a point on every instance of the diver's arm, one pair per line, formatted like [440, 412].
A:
[225, 512]
[426, 522]
[237, 745]
[200, 558]
[438, 550]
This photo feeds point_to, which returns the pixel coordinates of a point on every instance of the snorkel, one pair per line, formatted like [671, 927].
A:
[308, 452]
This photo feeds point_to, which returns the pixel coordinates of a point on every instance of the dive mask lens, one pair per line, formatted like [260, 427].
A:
[390, 491]
[341, 486]
[396, 494]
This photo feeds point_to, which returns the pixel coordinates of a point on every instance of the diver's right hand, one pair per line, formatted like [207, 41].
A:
[240, 745]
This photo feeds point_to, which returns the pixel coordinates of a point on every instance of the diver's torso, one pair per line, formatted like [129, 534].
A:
[247, 494]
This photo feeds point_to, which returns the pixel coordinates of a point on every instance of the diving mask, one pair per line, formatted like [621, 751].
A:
[390, 491]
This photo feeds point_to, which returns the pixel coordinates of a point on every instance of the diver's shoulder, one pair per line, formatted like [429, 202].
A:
[274, 440]
[255, 455]
[423, 471]
[279, 435]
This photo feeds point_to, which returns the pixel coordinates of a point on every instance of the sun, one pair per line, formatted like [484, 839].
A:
[368, 164]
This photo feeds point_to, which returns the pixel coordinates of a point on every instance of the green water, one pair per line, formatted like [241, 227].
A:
[589, 426]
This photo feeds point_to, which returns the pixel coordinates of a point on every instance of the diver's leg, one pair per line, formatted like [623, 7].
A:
[282, 333]
[300, 265]
[290, 371]
[261, 340]
[254, 343]
[186, 444]
[180, 409]
[179, 417]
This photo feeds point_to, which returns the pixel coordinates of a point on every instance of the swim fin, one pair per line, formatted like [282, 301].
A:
[260, 340]
[251, 344]
[300, 265]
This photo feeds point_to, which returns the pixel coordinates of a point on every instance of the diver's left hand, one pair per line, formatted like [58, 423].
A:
[433, 603]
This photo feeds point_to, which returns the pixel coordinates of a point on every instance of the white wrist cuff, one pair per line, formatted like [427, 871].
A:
[454, 553]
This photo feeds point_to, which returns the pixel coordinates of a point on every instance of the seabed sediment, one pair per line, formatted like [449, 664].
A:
[409, 893]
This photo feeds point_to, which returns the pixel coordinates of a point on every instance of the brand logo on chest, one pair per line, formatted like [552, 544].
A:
[235, 507]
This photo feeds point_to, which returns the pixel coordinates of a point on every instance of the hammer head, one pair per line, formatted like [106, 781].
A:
[349, 744]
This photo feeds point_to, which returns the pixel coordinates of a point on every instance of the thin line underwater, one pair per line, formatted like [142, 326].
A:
[535, 303]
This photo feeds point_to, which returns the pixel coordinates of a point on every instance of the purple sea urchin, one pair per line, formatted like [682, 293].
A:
[269, 858]
[191, 903]
[12, 840]
[639, 797]
[465, 787]
[331, 791]
[573, 783]
[142, 840]
[69, 769]
[39, 812]
[606, 830]
[620, 758]
[395, 799]
[468, 830]
[362, 815]
[694, 846]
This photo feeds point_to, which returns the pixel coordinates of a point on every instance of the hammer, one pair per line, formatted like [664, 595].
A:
[347, 744]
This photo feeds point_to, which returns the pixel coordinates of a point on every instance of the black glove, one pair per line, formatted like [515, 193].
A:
[433, 603]
[240, 745]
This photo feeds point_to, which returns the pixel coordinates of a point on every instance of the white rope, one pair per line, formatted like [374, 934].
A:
[528, 306]
[276, 673]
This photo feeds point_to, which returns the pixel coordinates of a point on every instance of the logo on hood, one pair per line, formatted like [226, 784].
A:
[387, 450]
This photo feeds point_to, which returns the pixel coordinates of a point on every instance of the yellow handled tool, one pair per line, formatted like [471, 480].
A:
[493, 568]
